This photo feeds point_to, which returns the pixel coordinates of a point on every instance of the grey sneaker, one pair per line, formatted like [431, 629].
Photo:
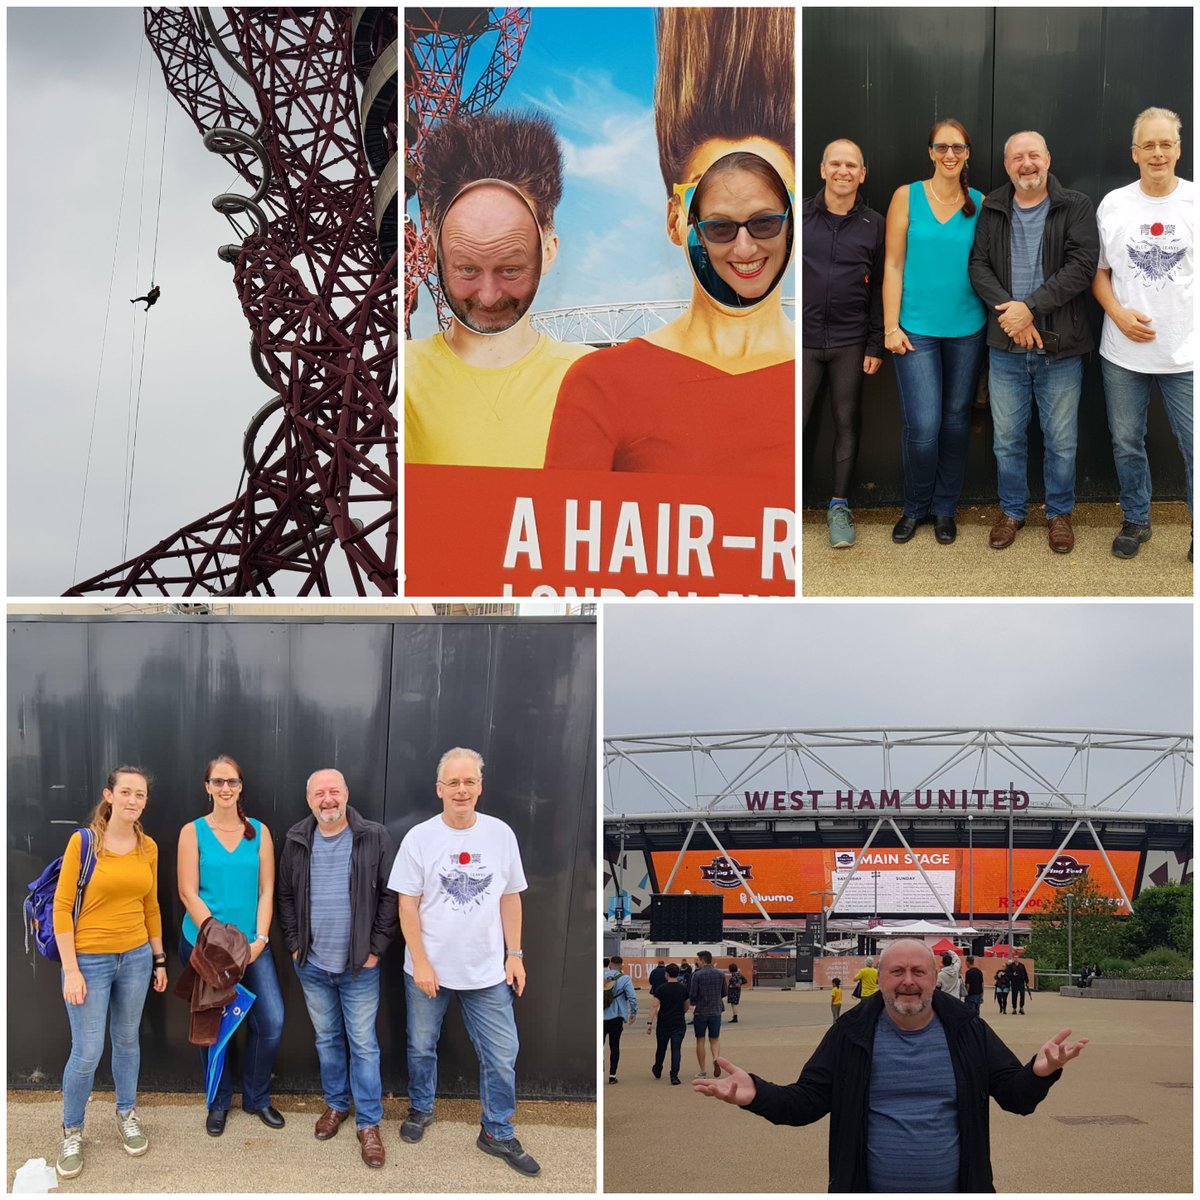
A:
[412, 1128]
[70, 1158]
[1129, 540]
[132, 1137]
[841, 526]
[510, 1150]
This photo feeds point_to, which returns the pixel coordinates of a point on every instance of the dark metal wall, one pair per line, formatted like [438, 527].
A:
[1079, 76]
[378, 699]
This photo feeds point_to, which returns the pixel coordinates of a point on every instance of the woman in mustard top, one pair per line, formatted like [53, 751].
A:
[108, 958]
[226, 870]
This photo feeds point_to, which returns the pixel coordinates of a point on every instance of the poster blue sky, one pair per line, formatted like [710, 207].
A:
[591, 70]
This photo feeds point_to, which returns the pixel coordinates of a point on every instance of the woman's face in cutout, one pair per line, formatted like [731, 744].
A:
[747, 269]
[753, 260]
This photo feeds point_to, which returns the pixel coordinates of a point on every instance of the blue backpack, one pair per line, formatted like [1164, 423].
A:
[39, 902]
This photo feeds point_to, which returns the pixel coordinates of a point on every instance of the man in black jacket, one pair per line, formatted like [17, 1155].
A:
[1035, 253]
[338, 918]
[843, 312]
[907, 1070]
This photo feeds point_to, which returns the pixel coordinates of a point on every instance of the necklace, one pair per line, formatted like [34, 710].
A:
[225, 828]
[933, 192]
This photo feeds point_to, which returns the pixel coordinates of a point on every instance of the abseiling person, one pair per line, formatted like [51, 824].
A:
[481, 394]
[712, 392]
[906, 1078]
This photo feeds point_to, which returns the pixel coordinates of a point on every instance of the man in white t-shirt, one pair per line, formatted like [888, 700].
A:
[1144, 284]
[459, 878]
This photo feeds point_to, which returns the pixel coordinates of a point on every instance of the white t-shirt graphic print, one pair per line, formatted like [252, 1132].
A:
[460, 875]
[1148, 242]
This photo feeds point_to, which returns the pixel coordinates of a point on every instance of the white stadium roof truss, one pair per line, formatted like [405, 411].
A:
[1129, 764]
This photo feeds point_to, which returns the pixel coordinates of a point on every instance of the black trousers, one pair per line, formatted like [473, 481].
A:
[675, 1038]
[844, 369]
[1018, 994]
[612, 1031]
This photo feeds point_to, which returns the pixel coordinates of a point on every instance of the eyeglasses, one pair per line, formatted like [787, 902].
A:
[1150, 147]
[234, 784]
[761, 228]
[942, 147]
[456, 783]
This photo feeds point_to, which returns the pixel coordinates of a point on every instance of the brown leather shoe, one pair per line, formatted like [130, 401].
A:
[1004, 532]
[328, 1124]
[372, 1146]
[1062, 536]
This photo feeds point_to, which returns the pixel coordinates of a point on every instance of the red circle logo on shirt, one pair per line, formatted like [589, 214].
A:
[1156, 229]
[464, 858]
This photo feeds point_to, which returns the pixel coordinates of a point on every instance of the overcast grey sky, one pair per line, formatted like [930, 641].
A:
[71, 76]
[705, 667]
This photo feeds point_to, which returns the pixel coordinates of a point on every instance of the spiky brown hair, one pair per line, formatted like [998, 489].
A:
[723, 73]
[521, 149]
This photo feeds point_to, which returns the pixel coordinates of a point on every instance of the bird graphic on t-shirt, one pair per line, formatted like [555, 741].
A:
[463, 889]
[1155, 263]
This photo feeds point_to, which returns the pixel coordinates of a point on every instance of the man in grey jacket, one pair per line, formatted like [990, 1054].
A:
[338, 918]
[1036, 248]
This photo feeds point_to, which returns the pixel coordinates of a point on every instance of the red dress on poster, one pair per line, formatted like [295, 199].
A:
[640, 407]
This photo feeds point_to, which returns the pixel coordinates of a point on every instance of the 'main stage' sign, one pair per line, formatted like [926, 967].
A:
[815, 799]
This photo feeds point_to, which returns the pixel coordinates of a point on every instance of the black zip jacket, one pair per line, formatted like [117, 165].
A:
[1070, 252]
[843, 277]
[837, 1078]
[373, 909]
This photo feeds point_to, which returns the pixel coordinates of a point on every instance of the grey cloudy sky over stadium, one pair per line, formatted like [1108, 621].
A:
[707, 667]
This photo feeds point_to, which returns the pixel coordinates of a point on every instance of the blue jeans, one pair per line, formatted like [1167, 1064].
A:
[116, 988]
[674, 1039]
[343, 1008]
[936, 380]
[265, 1024]
[975, 1002]
[1127, 396]
[488, 1016]
[1016, 382]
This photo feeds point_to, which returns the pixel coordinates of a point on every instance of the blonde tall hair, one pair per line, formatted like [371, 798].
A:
[98, 822]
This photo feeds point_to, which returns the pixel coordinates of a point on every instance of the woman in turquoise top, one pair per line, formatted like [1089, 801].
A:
[934, 325]
[227, 870]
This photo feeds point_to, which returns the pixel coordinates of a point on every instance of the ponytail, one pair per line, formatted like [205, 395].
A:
[968, 207]
[248, 833]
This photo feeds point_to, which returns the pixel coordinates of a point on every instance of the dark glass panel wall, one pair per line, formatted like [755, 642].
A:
[381, 700]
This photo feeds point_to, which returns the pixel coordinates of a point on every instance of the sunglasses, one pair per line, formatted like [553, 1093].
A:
[942, 147]
[720, 230]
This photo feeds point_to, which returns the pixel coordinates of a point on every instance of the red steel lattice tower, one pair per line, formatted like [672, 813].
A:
[315, 273]
[438, 43]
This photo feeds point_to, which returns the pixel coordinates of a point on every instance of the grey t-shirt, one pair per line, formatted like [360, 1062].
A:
[912, 1111]
[1028, 225]
[329, 901]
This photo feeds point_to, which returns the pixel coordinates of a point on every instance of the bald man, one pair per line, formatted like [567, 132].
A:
[843, 312]
[482, 392]
[906, 1078]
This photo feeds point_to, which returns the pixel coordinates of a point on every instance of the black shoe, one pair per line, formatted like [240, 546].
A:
[904, 529]
[656, 1072]
[215, 1125]
[268, 1116]
[612, 1079]
[944, 530]
[412, 1128]
[675, 1079]
[734, 1021]
[1128, 541]
[510, 1150]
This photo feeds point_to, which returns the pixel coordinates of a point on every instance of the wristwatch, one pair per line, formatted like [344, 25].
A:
[516, 953]
[262, 937]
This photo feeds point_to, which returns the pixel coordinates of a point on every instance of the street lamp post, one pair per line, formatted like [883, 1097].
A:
[1070, 966]
[1010, 870]
[970, 870]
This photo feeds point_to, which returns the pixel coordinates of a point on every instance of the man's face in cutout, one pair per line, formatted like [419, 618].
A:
[490, 258]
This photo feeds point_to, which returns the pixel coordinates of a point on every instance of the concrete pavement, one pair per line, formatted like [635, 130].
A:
[1119, 1119]
[250, 1158]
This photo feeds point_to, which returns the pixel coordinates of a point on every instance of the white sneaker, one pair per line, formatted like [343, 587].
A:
[700, 1075]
